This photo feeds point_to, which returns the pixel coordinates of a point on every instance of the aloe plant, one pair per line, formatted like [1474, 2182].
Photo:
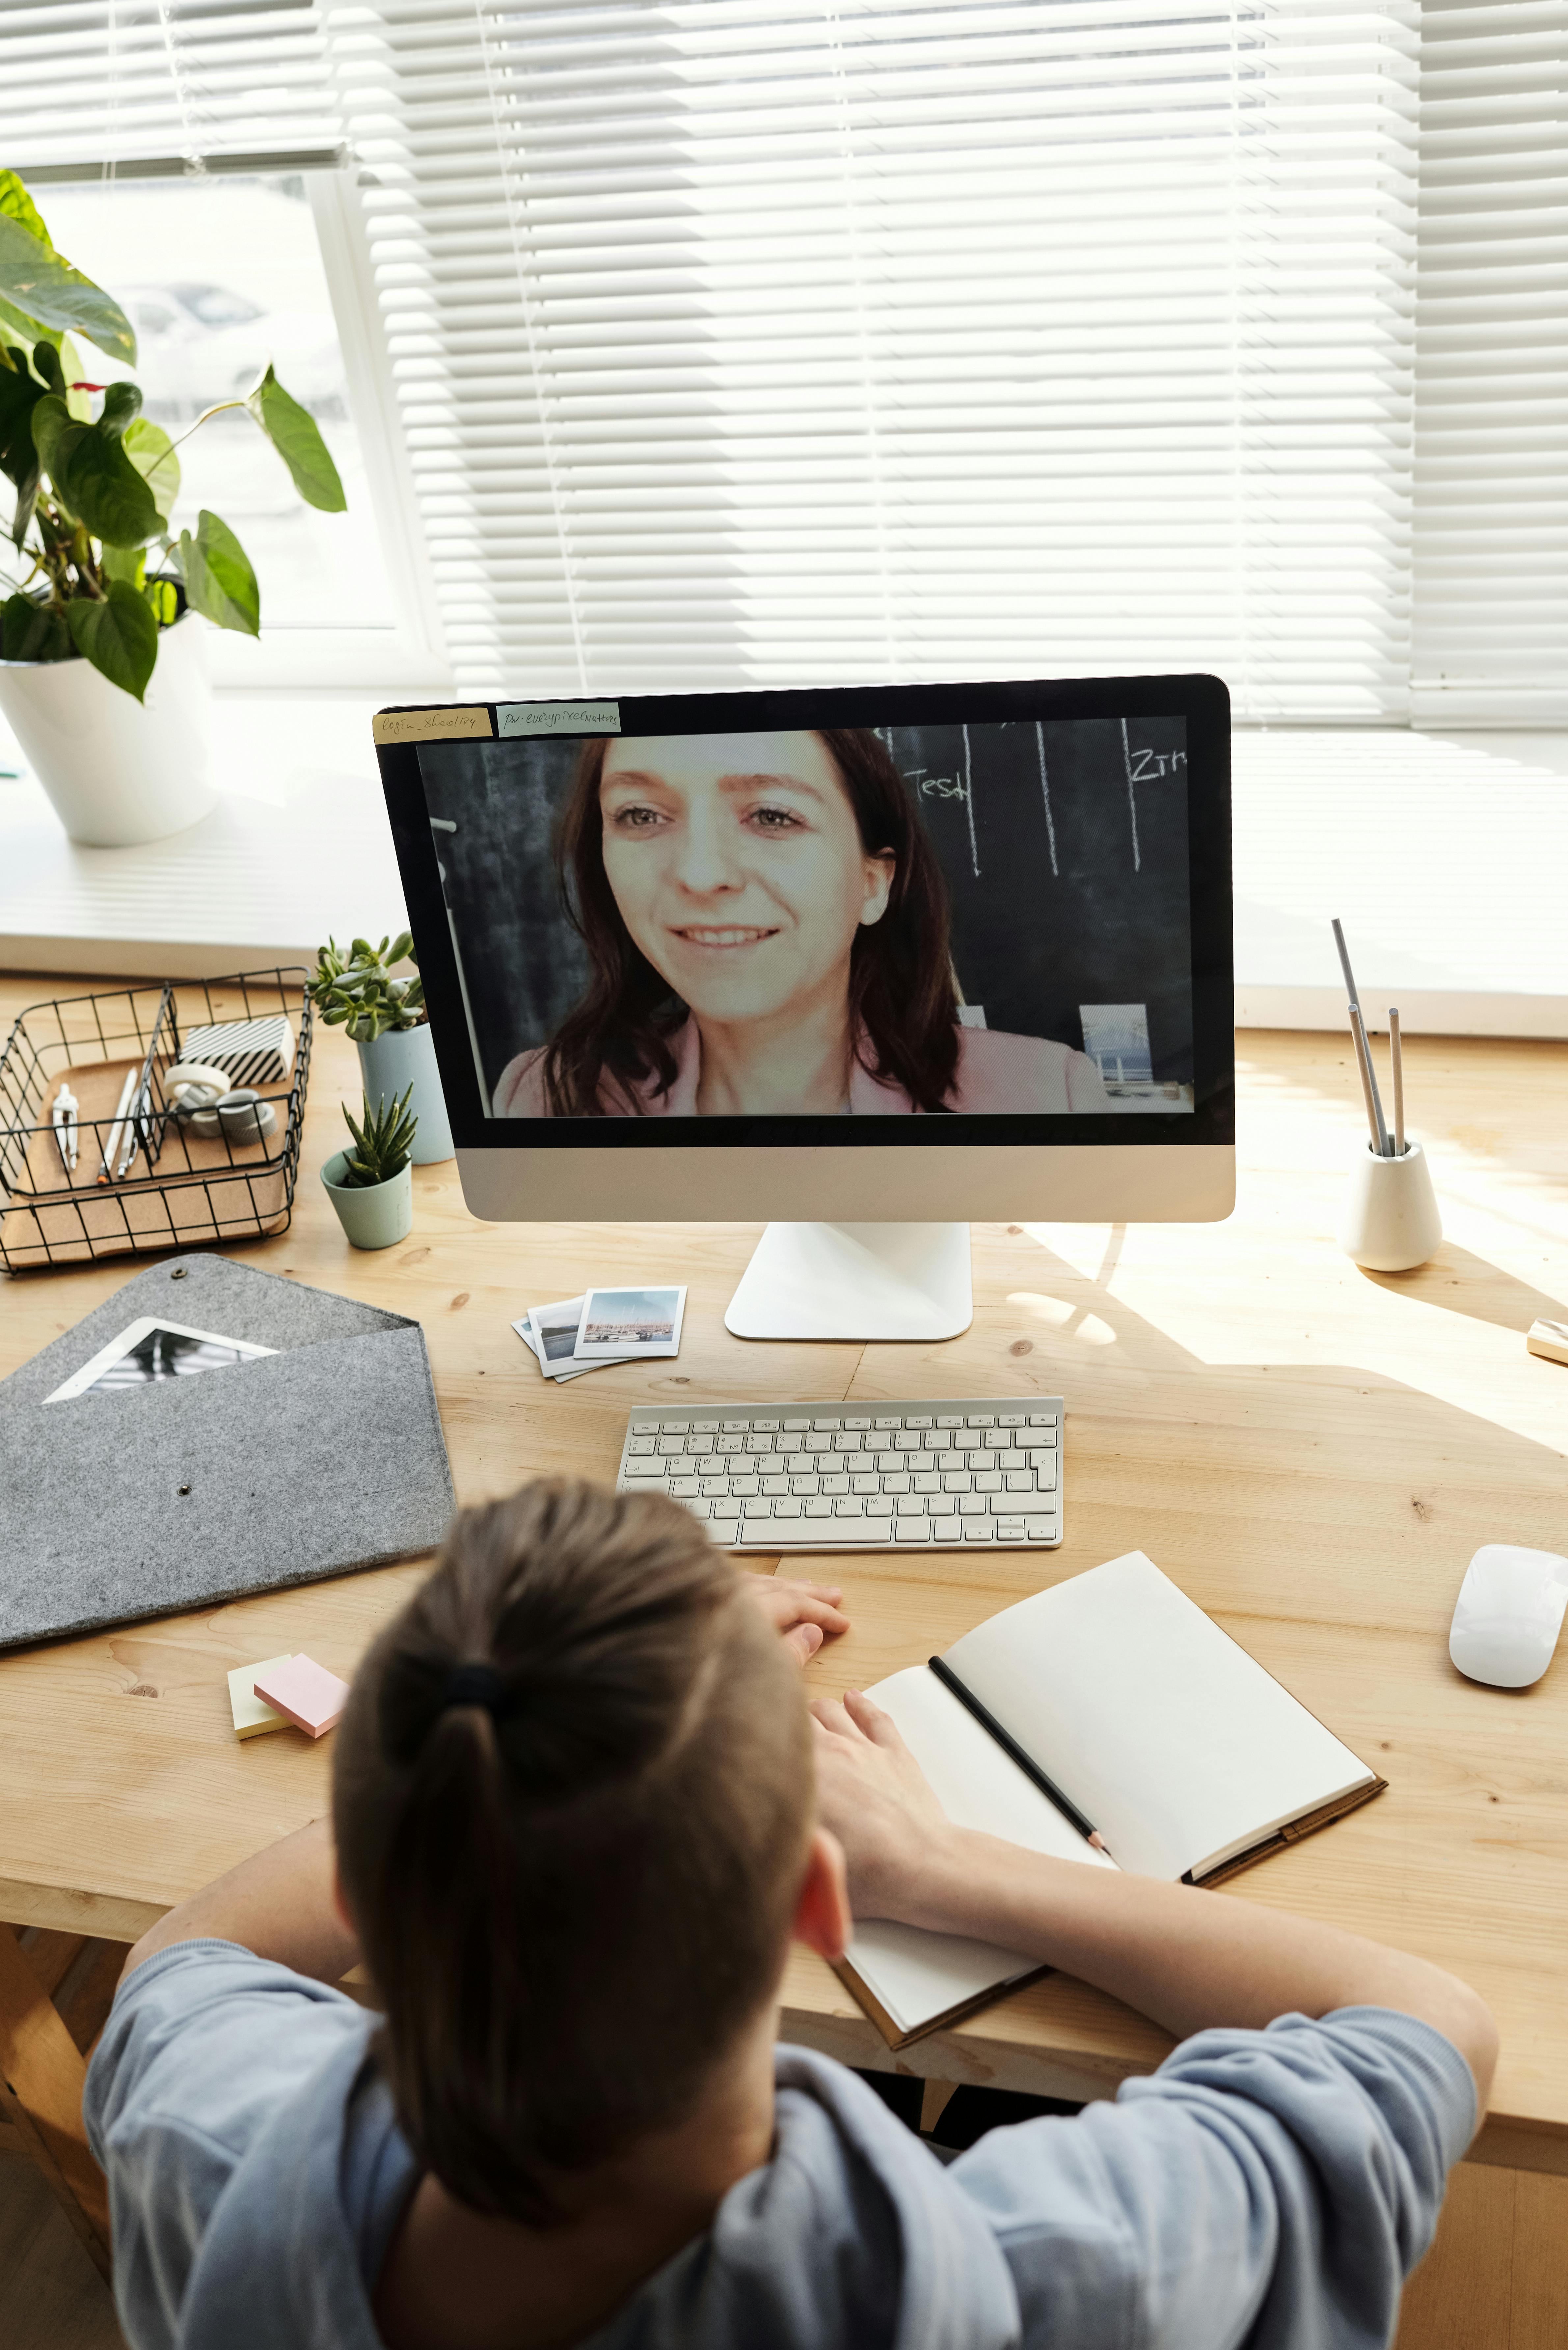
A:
[356, 989]
[382, 1141]
[95, 489]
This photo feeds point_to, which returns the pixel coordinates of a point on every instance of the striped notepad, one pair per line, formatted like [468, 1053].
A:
[254, 1052]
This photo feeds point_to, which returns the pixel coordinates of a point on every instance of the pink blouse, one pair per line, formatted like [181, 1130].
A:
[995, 1072]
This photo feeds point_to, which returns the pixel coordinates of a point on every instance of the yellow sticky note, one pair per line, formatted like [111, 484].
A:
[253, 1715]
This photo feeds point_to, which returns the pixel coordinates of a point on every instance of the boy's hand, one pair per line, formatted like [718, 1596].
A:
[805, 1613]
[877, 1799]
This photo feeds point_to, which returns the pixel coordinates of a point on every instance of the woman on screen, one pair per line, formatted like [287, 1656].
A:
[768, 929]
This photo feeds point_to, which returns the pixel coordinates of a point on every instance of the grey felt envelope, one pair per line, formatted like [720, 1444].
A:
[325, 1455]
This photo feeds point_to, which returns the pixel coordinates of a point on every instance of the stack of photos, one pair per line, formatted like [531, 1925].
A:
[603, 1325]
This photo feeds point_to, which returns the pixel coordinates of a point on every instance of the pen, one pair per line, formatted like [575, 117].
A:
[64, 1119]
[1010, 1746]
[1395, 1054]
[1375, 1103]
[1368, 1083]
[106, 1171]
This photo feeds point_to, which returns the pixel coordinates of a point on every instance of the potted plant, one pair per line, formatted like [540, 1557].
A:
[102, 666]
[354, 989]
[372, 1186]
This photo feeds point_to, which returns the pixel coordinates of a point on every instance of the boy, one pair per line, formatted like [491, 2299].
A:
[574, 1829]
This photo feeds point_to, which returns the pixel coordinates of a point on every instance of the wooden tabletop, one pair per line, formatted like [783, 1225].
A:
[1311, 1452]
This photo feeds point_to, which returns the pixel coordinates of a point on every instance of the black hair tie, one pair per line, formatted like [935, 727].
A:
[479, 1685]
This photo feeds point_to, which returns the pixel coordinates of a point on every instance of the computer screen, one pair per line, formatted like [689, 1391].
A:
[988, 912]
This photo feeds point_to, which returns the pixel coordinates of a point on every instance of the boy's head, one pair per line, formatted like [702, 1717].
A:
[573, 1801]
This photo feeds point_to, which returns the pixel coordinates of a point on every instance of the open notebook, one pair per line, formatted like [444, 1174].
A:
[1125, 1709]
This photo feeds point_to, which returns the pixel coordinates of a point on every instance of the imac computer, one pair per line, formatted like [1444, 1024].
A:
[868, 963]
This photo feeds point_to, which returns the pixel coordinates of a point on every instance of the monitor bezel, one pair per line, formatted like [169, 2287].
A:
[1202, 701]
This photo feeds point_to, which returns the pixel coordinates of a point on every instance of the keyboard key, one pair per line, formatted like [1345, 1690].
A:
[732, 1444]
[701, 1444]
[911, 1505]
[806, 1484]
[641, 1447]
[725, 1532]
[795, 1425]
[1003, 1505]
[741, 1487]
[1045, 1476]
[980, 1420]
[1021, 1481]
[1011, 1530]
[645, 1467]
[705, 1427]
[764, 1427]
[819, 1508]
[819, 1441]
[927, 1481]
[866, 1485]
[700, 1509]
[775, 1484]
[938, 1440]
[1011, 1460]
[1042, 1419]
[959, 1481]
[758, 1444]
[950, 1419]
[835, 1484]
[1042, 1529]
[849, 1506]
[736, 1426]
[757, 1505]
[686, 1488]
[786, 1509]
[974, 1505]
[908, 1441]
[857, 1423]
[997, 1439]
[671, 1444]
[832, 1423]
[879, 1505]
[1011, 1420]
[917, 1420]
[848, 1440]
[897, 1484]
[712, 1487]
[890, 1420]
[645, 1427]
[979, 1530]
[988, 1481]
[948, 1530]
[912, 1530]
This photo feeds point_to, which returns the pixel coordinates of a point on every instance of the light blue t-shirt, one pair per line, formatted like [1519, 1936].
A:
[1267, 2188]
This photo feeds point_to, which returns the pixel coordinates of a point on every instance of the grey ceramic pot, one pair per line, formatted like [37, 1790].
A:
[406, 1057]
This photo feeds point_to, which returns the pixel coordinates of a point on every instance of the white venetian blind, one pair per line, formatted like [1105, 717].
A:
[1491, 441]
[182, 82]
[753, 341]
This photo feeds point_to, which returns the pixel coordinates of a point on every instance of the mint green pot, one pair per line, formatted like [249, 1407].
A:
[374, 1218]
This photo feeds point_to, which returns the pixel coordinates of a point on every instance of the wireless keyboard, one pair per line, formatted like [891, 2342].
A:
[884, 1476]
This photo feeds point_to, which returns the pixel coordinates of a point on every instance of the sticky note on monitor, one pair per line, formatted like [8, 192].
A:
[253, 1715]
[312, 1698]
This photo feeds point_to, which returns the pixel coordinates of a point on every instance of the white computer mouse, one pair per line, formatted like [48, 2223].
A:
[1509, 1614]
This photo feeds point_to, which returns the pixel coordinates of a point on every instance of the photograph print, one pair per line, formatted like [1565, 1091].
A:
[988, 919]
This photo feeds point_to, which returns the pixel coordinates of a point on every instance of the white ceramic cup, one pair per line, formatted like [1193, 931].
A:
[1390, 1222]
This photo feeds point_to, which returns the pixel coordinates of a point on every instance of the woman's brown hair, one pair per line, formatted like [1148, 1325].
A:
[572, 1797]
[902, 1003]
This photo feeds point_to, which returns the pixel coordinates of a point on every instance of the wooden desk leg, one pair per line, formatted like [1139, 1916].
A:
[41, 2080]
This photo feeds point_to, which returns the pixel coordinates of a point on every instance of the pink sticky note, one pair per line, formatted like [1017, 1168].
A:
[312, 1698]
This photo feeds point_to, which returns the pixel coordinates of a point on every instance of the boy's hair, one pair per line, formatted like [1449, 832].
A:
[574, 1888]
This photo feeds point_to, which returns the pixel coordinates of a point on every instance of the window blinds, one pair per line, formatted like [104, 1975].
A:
[753, 342]
[183, 83]
[1491, 441]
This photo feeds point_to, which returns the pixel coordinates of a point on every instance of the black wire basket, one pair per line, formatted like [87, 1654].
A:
[144, 1177]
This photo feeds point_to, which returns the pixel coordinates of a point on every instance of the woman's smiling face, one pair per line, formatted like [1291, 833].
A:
[737, 865]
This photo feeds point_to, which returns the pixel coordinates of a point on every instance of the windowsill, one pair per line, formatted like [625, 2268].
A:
[1442, 854]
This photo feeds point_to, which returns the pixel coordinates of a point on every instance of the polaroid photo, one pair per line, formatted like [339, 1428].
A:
[153, 1350]
[624, 1324]
[552, 1334]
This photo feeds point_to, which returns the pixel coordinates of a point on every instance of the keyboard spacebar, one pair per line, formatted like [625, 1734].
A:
[822, 1533]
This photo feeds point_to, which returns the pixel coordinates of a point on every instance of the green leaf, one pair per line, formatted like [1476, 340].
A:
[99, 482]
[47, 367]
[38, 283]
[219, 580]
[293, 432]
[72, 370]
[152, 451]
[19, 395]
[16, 204]
[16, 326]
[124, 563]
[51, 418]
[119, 637]
[31, 632]
[121, 403]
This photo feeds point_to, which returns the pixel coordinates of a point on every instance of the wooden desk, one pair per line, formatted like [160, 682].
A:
[1311, 1452]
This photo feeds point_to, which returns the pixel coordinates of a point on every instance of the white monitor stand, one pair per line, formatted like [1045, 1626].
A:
[855, 1281]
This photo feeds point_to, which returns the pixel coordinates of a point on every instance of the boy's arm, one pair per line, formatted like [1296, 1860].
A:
[282, 1903]
[1186, 1958]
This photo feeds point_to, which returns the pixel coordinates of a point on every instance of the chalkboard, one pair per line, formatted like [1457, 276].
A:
[1063, 844]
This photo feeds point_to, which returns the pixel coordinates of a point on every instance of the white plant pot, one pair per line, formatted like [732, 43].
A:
[406, 1057]
[118, 771]
[1390, 1222]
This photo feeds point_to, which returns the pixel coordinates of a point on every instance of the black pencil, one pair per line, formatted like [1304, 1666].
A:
[1026, 1763]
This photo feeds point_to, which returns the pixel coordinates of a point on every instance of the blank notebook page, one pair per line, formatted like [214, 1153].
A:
[918, 1975]
[1175, 1743]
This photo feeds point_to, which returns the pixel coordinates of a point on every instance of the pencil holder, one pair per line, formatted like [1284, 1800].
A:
[1390, 1223]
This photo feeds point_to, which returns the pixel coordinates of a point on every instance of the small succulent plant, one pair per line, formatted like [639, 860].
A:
[382, 1141]
[354, 987]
